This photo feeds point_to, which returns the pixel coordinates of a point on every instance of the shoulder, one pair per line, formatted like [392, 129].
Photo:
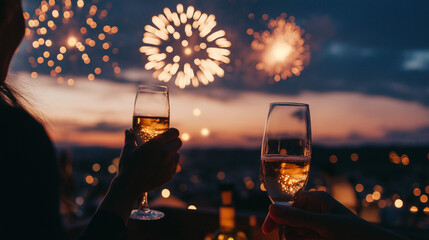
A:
[14, 115]
[20, 129]
[18, 121]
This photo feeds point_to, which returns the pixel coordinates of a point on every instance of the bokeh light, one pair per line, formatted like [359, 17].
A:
[359, 187]
[112, 169]
[96, 167]
[399, 203]
[376, 195]
[417, 192]
[426, 210]
[185, 137]
[192, 207]
[79, 200]
[165, 193]
[333, 159]
[369, 198]
[89, 179]
[220, 176]
[205, 132]
[196, 112]
[184, 44]
[423, 198]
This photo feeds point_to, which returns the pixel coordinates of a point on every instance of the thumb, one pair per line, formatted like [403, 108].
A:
[130, 143]
[129, 137]
[295, 217]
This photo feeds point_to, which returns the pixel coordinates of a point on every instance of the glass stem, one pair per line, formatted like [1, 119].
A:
[144, 204]
[282, 232]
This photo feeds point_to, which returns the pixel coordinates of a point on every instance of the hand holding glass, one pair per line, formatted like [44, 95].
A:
[151, 118]
[286, 152]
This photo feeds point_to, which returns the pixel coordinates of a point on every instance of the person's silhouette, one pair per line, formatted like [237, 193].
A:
[30, 180]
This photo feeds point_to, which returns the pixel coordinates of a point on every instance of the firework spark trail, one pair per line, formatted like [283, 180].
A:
[282, 49]
[67, 33]
[183, 44]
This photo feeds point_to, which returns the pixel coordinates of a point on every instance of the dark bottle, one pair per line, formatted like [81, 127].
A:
[227, 227]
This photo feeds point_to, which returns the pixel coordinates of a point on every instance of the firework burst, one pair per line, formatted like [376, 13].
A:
[68, 36]
[183, 44]
[282, 49]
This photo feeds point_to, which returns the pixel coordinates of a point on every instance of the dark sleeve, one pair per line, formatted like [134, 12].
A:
[105, 225]
[29, 179]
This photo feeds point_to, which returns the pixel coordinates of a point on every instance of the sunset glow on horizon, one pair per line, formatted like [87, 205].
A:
[85, 115]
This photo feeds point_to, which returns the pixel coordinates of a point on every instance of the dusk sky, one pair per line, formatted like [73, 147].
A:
[367, 80]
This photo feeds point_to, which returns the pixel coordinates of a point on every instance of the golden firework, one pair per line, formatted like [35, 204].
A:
[183, 44]
[282, 49]
[68, 35]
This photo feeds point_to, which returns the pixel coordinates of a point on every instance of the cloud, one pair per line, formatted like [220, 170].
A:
[136, 74]
[416, 60]
[322, 28]
[343, 50]
[103, 127]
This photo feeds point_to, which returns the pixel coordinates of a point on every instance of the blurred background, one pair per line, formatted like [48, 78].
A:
[363, 68]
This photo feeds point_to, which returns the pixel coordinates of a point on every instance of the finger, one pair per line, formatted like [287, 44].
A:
[171, 170]
[292, 234]
[176, 159]
[174, 145]
[174, 165]
[325, 202]
[306, 233]
[170, 164]
[269, 225]
[301, 200]
[130, 142]
[296, 217]
[167, 136]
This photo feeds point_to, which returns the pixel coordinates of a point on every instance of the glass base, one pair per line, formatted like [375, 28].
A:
[146, 214]
[287, 204]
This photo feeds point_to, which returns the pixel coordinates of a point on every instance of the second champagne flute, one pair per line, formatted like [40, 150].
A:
[151, 118]
[286, 153]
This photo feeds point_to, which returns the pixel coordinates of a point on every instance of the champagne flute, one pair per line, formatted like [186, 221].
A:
[286, 153]
[151, 117]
